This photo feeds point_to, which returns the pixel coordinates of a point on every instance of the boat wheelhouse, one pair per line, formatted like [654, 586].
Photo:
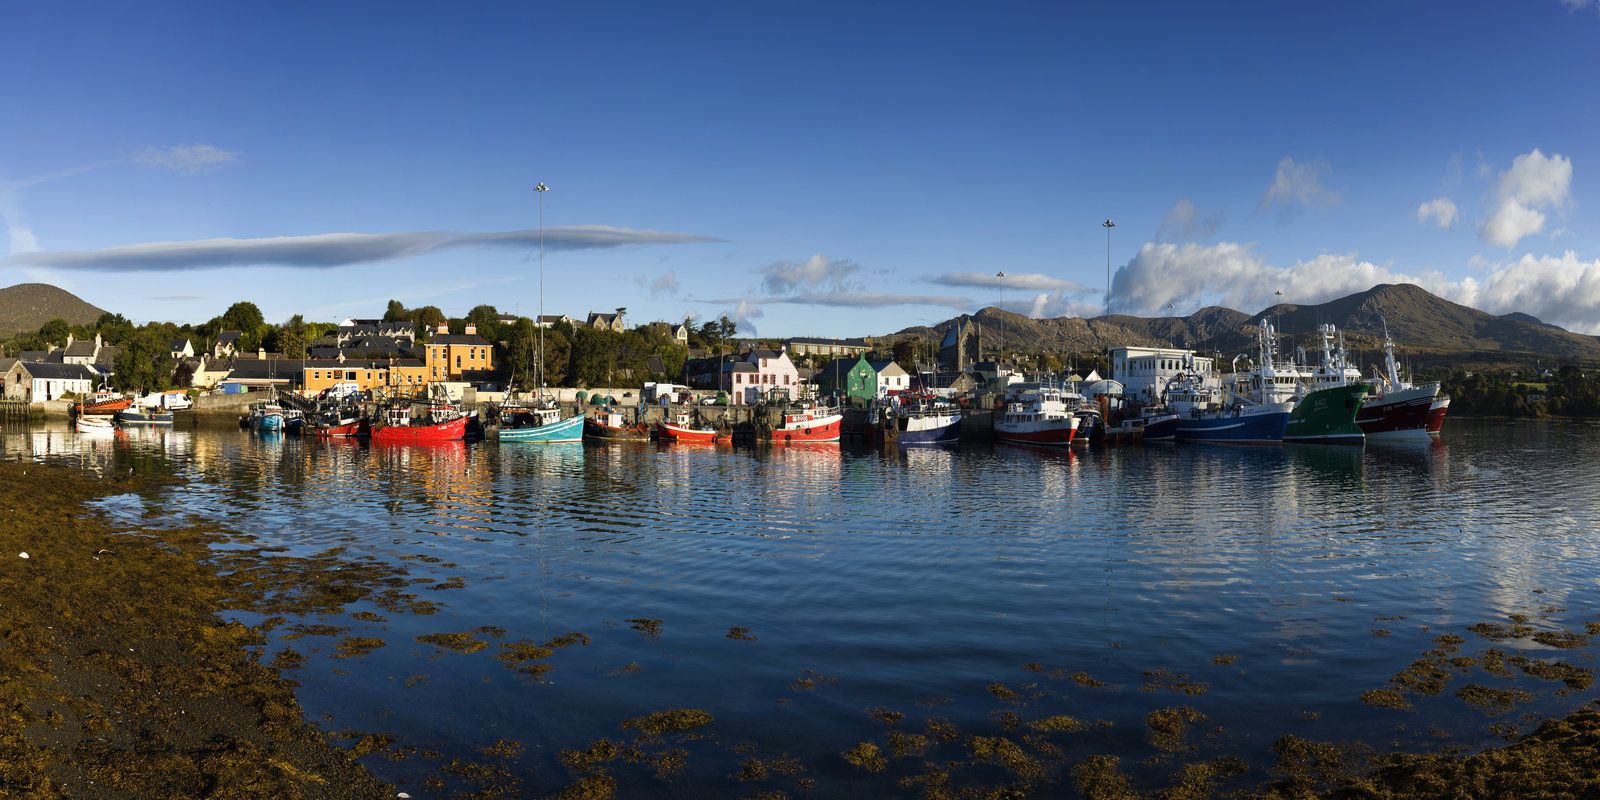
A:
[1046, 415]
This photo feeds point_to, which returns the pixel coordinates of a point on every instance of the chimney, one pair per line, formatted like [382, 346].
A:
[261, 353]
[69, 338]
[341, 356]
[470, 329]
[444, 327]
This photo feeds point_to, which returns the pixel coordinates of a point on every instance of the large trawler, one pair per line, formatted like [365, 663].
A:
[1046, 415]
[1393, 408]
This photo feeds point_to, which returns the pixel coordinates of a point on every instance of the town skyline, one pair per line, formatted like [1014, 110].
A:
[876, 180]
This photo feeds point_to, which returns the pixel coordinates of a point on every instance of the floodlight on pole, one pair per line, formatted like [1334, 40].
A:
[1108, 225]
[540, 189]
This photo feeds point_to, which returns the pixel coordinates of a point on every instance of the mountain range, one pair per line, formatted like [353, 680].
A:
[1428, 328]
[26, 306]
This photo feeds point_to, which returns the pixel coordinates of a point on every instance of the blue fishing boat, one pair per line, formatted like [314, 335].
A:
[521, 424]
[270, 418]
[929, 423]
[144, 416]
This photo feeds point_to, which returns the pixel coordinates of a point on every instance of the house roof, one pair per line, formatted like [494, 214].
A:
[833, 342]
[266, 367]
[60, 371]
[179, 344]
[107, 355]
[553, 318]
[81, 348]
[457, 338]
[365, 363]
[739, 366]
[33, 356]
[765, 353]
[7, 363]
[883, 364]
[229, 337]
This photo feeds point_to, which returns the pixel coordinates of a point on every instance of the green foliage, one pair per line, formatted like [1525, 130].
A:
[396, 312]
[488, 321]
[427, 319]
[521, 354]
[55, 332]
[242, 316]
[905, 354]
[143, 363]
[1569, 392]
[114, 329]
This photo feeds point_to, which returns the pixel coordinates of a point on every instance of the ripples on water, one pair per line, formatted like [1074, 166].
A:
[915, 576]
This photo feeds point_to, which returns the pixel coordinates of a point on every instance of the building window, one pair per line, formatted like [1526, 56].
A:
[458, 362]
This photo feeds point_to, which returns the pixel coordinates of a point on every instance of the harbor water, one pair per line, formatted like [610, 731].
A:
[812, 598]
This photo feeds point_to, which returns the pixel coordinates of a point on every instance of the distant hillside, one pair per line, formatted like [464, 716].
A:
[26, 306]
[1426, 326]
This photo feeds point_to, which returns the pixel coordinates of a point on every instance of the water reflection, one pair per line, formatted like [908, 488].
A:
[908, 574]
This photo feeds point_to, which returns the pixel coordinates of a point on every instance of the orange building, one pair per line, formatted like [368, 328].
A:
[400, 376]
[457, 356]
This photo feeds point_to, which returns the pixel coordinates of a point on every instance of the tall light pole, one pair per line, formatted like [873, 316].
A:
[540, 189]
[1000, 281]
[1108, 225]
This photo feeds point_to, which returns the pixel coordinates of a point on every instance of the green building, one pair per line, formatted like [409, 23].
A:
[854, 377]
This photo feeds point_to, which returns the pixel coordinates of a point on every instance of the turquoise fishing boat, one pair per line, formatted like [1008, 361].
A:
[519, 424]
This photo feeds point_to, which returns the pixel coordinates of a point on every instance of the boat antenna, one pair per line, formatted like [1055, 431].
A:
[540, 189]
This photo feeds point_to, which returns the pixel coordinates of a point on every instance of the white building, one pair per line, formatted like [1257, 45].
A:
[53, 381]
[1144, 371]
[892, 378]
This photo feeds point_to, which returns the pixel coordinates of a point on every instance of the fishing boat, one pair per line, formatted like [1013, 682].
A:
[609, 426]
[681, 429]
[1046, 415]
[929, 422]
[1251, 407]
[398, 424]
[103, 402]
[807, 423]
[1394, 408]
[144, 416]
[94, 424]
[269, 418]
[538, 424]
[332, 423]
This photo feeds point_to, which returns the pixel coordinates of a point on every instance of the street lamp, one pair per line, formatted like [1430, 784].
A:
[540, 189]
[1000, 281]
[1108, 225]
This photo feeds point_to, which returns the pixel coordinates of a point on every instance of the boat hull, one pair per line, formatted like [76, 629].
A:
[134, 417]
[270, 423]
[1262, 428]
[945, 433]
[342, 429]
[677, 433]
[593, 429]
[1161, 429]
[567, 430]
[1328, 416]
[822, 429]
[1054, 435]
[106, 407]
[94, 424]
[451, 431]
[1404, 414]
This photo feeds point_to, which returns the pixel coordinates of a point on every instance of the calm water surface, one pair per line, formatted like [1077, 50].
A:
[911, 580]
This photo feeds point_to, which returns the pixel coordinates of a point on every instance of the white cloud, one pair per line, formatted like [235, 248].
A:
[1026, 281]
[1299, 184]
[1579, 5]
[189, 159]
[1534, 183]
[327, 250]
[1183, 222]
[1441, 211]
[667, 284]
[1562, 290]
[785, 276]
[852, 299]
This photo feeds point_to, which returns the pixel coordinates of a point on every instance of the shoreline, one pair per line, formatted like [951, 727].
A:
[118, 676]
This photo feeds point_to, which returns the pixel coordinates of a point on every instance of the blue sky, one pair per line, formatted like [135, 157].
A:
[831, 169]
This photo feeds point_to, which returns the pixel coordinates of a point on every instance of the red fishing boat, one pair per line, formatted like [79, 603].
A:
[339, 428]
[400, 427]
[680, 430]
[609, 425]
[807, 425]
[103, 403]
[1046, 415]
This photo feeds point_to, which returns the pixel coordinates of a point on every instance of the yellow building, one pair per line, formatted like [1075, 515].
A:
[400, 376]
[458, 356]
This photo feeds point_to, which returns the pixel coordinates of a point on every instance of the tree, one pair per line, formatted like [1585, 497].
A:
[522, 354]
[487, 319]
[396, 312]
[242, 316]
[55, 331]
[905, 354]
[142, 363]
[427, 319]
[113, 328]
